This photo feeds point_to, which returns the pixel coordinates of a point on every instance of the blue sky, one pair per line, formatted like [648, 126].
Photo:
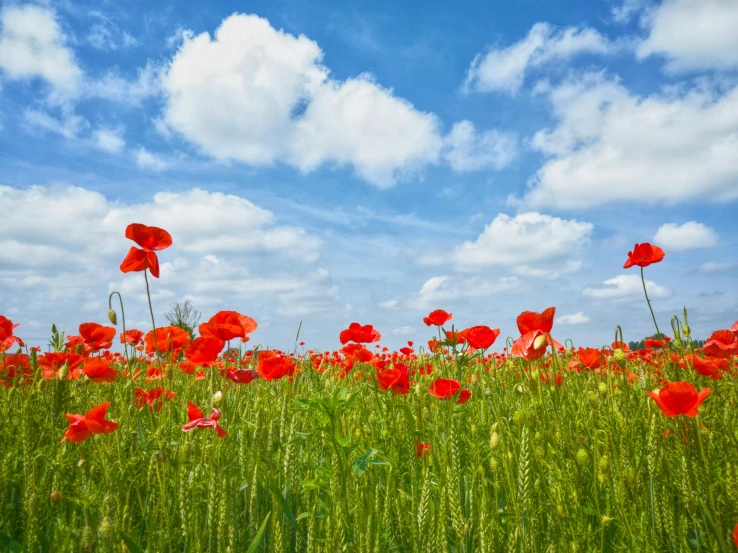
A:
[330, 162]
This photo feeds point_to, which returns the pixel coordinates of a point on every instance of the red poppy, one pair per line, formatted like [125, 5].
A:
[13, 366]
[97, 336]
[7, 338]
[445, 388]
[679, 398]
[92, 422]
[421, 449]
[131, 337]
[590, 358]
[643, 255]
[530, 346]
[722, 343]
[240, 376]
[149, 238]
[169, 338]
[203, 351]
[396, 379]
[360, 334]
[656, 342]
[152, 398]
[51, 364]
[439, 317]
[530, 320]
[705, 367]
[225, 325]
[480, 337]
[98, 370]
[198, 420]
[137, 260]
[273, 367]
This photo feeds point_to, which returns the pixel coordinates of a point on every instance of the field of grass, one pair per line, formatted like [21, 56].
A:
[545, 449]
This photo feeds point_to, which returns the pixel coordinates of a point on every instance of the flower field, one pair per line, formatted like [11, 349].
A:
[206, 444]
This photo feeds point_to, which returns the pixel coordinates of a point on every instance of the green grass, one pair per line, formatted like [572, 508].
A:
[522, 466]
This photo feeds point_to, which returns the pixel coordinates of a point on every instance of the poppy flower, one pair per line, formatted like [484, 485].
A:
[530, 346]
[421, 449]
[152, 398]
[7, 338]
[198, 420]
[396, 379]
[240, 376]
[705, 367]
[679, 398]
[644, 255]
[98, 370]
[480, 337]
[227, 325]
[530, 320]
[82, 427]
[149, 238]
[590, 358]
[97, 336]
[137, 260]
[446, 388]
[51, 364]
[131, 337]
[169, 338]
[13, 366]
[721, 343]
[439, 317]
[360, 334]
[203, 351]
[273, 367]
[656, 342]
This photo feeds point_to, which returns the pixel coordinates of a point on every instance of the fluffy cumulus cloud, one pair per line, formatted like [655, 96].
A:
[693, 35]
[259, 95]
[504, 69]
[578, 318]
[626, 288]
[530, 244]
[66, 244]
[109, 140]
[689, 236]
[33, 44]
[468, 150]
[612, 145]
[446, 290]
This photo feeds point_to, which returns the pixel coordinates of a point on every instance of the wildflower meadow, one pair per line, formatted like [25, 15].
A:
[174, 443]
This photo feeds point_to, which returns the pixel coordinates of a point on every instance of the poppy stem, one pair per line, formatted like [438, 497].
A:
[123, 319]
[648, 301]
[153, 323]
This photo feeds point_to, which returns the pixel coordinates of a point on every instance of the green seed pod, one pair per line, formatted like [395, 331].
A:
[594, 401]
[106, 528]
[602, 387]
[560, 511]
[494, 441]
[604, 464]
[583, 457]
[112, 317]
[217, 399]
[64, 371]
[620, 358]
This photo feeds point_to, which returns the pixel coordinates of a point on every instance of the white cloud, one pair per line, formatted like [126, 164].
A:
[717, 266]
[623, 13]
[467, 150]
[69, 125]
[442, 290]
[149, 160]
[504, 69]
[693, 34]
[611, 145]
[530, 243]
[689, 236]
[116, 88]
[259, 95]
[107, 36]
[32, 44]
[109, 140]
[626, 288]
[578, 318]
[389, 304]
[403, 330]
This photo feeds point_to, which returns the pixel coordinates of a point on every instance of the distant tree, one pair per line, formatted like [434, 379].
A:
[184, 315]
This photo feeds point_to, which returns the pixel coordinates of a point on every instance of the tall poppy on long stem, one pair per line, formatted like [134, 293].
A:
[151, 240]
[644, 255]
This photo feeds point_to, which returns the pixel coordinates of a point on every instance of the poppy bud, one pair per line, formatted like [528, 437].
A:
[602, 387]
[582, 457]
[55, 497]
[80, 463]
[64, 371]
[106, 527]
[593, 399]
[560, 511]
[112, 317]
[217, 399]
[604, 464]
[620, 358]
[494, 441]
[539, 342]
[686, 330]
